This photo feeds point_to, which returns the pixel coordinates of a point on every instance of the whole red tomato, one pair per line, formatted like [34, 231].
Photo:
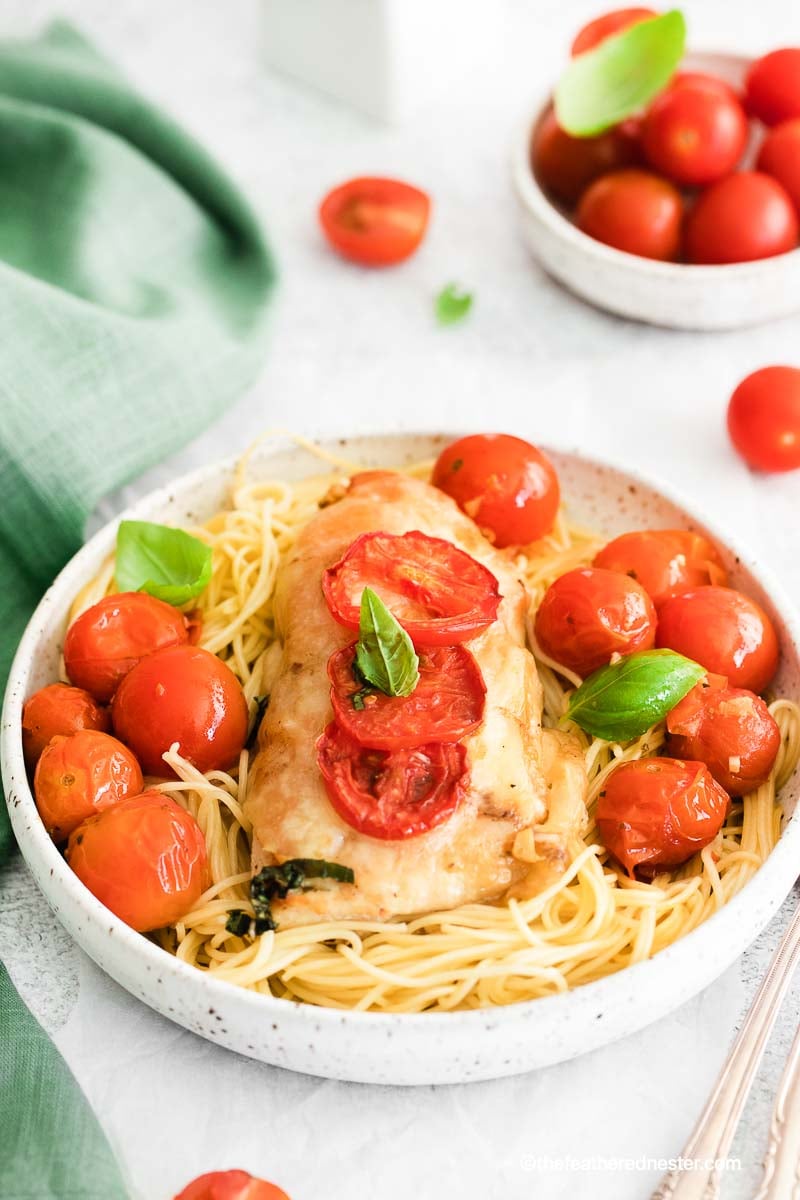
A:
[694, 133]
[743, 217]
[772, 87]
[664, 561]
[82, 774]
[634, 211]
[607, 25]
[723, 630]
[58, 708]
[779, 157]
[230, 1185]
[764, 419]
[566, 165]
[375, 222]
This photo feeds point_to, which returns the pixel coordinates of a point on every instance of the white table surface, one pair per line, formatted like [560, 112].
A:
[352, 349]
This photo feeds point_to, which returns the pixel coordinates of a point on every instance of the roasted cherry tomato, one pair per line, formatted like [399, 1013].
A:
[446, 704]
[730, 729]
[230, 1185]
[394, 794]
[182, 694]
[664, 561]
[779, 157]
[741, 218]
[566, 165]
[58, 708]
[772, 87]
[508, 487]
[375, 222]
[103, 643]
[79, 775]
[634, 211]
[606, 26]
[764, 419]
[694, 133]
[589, 614]
[723, 630]
[144, 858]
[657, 812]
[439, 594]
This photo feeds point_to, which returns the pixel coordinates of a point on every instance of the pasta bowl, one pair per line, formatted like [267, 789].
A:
[398, 1048]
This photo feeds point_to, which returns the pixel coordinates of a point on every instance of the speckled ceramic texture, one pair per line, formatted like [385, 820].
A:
[378, 1048]
[672, 294]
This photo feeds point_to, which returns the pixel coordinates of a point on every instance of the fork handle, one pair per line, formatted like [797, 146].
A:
[781, 1179]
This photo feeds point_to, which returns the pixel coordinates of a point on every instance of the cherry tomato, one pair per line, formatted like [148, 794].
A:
[764, 419]
[730, 729]
[658, 812]
[181, 694]
[699, 79]
[743, 217]
[79, 775]
[779, 157]
[634, 211]
[772, 86]
[58, 708]
[439, 594]
[144, 858]
[606, 26]
[395, 794]
[230, 1185]
[375, 222]
[508, 487]
[664, 561]
[589, 614]
[723, 630]
[566, 165]
[103, 643]
[694, 133]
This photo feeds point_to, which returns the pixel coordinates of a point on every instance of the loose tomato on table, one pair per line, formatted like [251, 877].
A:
[635, 211]
[764, 419]
[658, 812]
[144, 858]
[607, 25]
[566, 165]
[58, 708]
[664, 561]
[375, 222]
[508, 487]
[772, 86]
[724, 631]
[744, 217]
[694, 133]
[779, 157]
[81, 774]
[230, 1185]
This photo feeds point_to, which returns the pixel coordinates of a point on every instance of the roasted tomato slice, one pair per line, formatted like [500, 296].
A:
[391, 794]
[438, 593]
[446, 704]
[664, 561]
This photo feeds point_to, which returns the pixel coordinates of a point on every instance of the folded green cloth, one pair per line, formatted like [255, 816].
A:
[133, 287]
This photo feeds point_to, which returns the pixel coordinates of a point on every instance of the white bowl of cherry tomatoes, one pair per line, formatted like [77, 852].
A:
[686, 214]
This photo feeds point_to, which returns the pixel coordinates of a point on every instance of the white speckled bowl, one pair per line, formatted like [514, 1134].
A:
[673, 294]
[377, 1048]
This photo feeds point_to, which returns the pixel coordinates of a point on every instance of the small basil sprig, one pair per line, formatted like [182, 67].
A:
[603, 86]
[452, 304]
[166, 563]
[275, 882]
[622, 701]
[385, 655]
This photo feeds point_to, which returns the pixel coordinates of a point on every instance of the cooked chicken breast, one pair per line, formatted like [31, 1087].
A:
[467, 858]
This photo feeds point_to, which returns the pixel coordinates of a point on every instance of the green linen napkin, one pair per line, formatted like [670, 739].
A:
[133, 286]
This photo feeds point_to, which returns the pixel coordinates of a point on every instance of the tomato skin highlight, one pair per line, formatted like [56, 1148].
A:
[779, 157]
[764, 419]
[723, 630]
[694, 133]
[589, 614]
[741, 218]
[566, 165]
[607, 25]
[107, 640]
[665, 562]
[658, 812]
[375, 222]
[181, 694]
[772, 86]
[80, 774]
[58, 708]
[508, 487]
[230, 1185]
[634, 211]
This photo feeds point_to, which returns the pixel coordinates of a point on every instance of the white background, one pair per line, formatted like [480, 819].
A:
[350, 348]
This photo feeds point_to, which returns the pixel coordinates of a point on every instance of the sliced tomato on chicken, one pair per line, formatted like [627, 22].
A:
[438, 593]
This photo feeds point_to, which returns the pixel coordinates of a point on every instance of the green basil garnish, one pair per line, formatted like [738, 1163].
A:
[166, 563]
[603, 86]
[452, 304]
[622, 701]
[275, 882]
[385, 655]
[238, 922]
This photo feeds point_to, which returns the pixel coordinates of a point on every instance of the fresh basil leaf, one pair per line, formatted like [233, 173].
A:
[622, 701]
[275, 883]
[385, 654]
[603, 86]
[452, 304]
[167, 563]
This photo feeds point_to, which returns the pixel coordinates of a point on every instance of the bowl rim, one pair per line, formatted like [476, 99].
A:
[34, 840]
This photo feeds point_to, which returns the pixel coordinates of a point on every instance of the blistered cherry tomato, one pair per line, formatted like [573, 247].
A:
[107, 640]
[58, 708]
[730, 729]
[144, 858]
[744, 217]
[779, 157]
[606, 26]
[764, 419]
[634, 211]
[394, 794]
[182, 694]
[658, 812]
[82, 774]
[508, 487]
[589, 614]
[694, 133]
[723, 630]
[230, 1185]
[664, 561]
[375, 222]
[772, 87]
[566, 165]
